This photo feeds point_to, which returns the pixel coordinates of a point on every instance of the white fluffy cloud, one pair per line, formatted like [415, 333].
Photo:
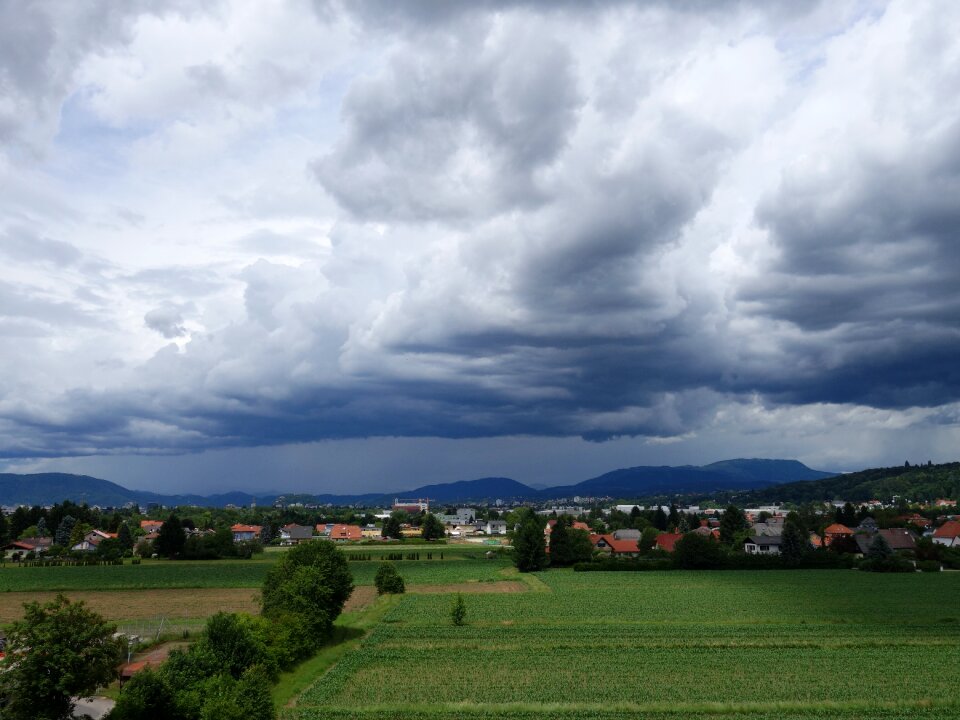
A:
[232, 225]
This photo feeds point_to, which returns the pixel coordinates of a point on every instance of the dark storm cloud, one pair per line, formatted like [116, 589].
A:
[552, 219]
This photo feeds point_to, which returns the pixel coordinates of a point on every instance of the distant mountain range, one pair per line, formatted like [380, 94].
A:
[626, 483]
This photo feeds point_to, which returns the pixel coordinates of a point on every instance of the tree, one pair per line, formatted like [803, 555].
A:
[431, 528]
[458, 611]
[683, 526]
[647, 539]
[697, 552]
[660, 519]
[732, 524]
[879, 548]
[234, 643]
[42, 527]
[391, 527]
[64, 531]
[560, 548]
[4, 529]
[792, 545]
[148, 696]
[171, 538]
[846, 515]
[388, 580]
[124, 537]
[529, 547]
[58, 651]
[311, 581]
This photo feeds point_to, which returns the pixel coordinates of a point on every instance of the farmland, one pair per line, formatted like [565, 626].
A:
[835, 644]
[152, 574]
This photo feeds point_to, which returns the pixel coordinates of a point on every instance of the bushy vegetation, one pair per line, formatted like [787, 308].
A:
[227, 673]
[58, 651]
[388, 580]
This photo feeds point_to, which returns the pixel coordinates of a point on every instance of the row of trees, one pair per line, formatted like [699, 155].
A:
[227, 673]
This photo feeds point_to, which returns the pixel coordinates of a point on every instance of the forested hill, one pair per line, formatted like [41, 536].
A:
[916, 482]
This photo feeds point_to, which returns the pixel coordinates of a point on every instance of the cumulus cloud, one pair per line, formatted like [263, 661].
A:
[490, 219]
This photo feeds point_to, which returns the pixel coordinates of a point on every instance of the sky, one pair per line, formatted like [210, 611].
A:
[346, 246]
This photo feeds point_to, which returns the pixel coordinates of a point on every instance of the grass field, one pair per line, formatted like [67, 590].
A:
[456, 567]
[816, 644]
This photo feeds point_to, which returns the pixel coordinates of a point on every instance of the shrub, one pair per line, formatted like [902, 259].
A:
[458, 612]
[388, 580]
[929, 566]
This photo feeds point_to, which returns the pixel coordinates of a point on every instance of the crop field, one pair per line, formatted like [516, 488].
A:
[797, 644]
[153, 574]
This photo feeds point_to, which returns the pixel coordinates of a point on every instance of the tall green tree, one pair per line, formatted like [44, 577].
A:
[171, 538]
[660, 519]
[310, 582]
[391, 527]
[125, 537]
[60, 650]
[560, 546]
[529, 546]
[879, 548]
[792, 544]
[4, 529]
[65, 530]
[431, 528]
[732, 524]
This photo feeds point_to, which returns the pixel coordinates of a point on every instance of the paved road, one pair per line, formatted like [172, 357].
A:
[95, 707]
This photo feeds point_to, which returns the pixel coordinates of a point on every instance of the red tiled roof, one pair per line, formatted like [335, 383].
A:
[246, 528]
[837, 529]
[667, 541]
[346, 532]
[621, 546]
[949, 529]
[151, 524]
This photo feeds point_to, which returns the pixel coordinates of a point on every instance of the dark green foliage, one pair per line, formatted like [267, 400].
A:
[148, 696]
[647, 539]
[109, 549]
[388, 580]
[4, 529]
[793, 546]
[391, 527]
[660, 520]
[560, 550]
[732, 525]
[697, 552]
[458, 611]
[312, 582]
[171, 538]
[924, 481]
[529, 546]
[431, 528]
[846, 515]
[879, 548]
[124, 536]
[58, 651]
[235, 644]
[64, 530]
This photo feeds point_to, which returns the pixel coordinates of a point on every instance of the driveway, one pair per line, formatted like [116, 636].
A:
[95, 707]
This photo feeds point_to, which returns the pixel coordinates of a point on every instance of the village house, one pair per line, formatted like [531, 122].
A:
[91, 541]
[371, 532]
[494, 527]
[667, 541]
[245, 533]
[36, 545]
[899, 540]
[346, 533]
[150, 526]
[616, 548]
[763, 544]
[294, 534]
[834, 532]
[948, 534]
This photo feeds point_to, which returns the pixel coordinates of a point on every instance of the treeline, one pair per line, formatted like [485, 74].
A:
[916, 483]
[228, 672]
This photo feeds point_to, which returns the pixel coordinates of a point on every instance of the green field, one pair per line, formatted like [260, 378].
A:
[152, 574]
[798, 644]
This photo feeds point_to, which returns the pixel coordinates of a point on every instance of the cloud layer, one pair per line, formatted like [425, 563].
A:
[230, 226]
